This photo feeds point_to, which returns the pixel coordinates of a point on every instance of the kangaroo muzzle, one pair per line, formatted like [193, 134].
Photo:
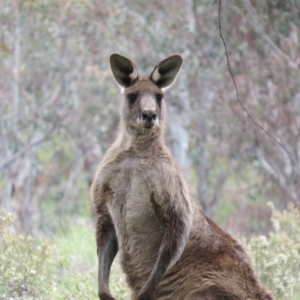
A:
[149, 118]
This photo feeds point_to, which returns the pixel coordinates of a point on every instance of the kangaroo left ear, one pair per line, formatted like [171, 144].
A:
[123, 69]
[166, 71]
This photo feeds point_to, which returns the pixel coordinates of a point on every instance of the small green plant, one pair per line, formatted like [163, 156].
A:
[79, 281]
[62, 270]
[277, 257]
[27, 267]
[67, 268]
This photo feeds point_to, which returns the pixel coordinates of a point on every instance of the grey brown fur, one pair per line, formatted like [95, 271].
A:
[169, 248]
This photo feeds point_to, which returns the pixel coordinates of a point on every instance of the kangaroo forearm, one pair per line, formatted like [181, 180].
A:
[165, 256]
[107, 248]
[172, 246]
[106, 254]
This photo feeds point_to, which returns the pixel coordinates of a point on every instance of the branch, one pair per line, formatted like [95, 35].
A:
[237, 91]
[217, 193]
[21, 152]
[259, 28]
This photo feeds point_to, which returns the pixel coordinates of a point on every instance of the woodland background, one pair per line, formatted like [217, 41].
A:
[59, 113]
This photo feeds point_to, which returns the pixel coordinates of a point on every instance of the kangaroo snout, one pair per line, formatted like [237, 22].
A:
[148, 118]
[149, 115]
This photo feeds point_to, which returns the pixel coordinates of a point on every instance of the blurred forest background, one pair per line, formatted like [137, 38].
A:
[59, 113]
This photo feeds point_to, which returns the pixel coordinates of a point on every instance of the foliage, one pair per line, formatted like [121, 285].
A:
[66, 268]
[28, 269]
[79, 281]
[277, 257]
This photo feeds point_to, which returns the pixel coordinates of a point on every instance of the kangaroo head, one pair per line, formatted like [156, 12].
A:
[143, 107]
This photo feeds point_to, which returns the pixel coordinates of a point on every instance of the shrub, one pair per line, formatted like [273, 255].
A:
[27, 267]
[63, 270]
[277, 257]
[67, 269]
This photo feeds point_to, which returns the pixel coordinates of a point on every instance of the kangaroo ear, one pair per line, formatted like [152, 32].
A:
[166, 71]
[123, 69]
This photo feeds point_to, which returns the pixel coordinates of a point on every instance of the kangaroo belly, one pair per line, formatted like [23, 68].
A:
[138, 229]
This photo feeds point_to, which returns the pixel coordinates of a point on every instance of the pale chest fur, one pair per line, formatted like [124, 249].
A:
[132, 210]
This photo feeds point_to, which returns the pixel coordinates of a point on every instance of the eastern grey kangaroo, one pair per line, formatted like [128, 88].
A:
[169, 248]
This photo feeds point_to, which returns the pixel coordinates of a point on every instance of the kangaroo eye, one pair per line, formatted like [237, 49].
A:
[159, 97]
[132, 98]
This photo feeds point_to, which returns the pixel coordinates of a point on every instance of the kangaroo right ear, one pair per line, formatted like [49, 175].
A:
[123, 69]
[166, 71]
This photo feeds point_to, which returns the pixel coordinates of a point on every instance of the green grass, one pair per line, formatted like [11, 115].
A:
[79, 281]
[66, 267]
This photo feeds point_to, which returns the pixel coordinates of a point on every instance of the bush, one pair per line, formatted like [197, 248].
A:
[27, 268]
[63, 270]
[277, 257]
[67, 269]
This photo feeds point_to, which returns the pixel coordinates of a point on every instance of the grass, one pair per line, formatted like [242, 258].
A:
[79, 281]
[65, 268]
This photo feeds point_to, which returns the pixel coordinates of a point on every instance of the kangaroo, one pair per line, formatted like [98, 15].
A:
[169, 249]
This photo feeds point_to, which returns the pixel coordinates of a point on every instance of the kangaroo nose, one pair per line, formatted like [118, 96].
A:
[149, 115]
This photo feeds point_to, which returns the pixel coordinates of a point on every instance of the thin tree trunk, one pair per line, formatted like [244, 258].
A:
[6, 197]
[17, 58]
[202, 165]
[26, 221]
[179, 124]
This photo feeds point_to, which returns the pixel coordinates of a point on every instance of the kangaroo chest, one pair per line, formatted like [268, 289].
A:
[131, 208]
